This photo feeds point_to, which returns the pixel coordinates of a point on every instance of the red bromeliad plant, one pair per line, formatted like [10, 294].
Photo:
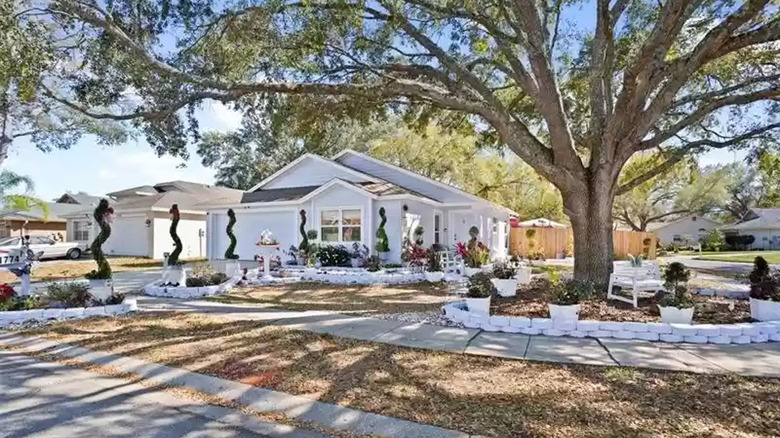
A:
[6, 291]
[474, 255]
[415, 254]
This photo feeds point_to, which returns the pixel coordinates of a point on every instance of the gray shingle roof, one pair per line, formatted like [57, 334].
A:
[56, 211]
[760, 219]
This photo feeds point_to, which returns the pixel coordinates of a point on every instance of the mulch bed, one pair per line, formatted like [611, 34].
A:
[532, 300]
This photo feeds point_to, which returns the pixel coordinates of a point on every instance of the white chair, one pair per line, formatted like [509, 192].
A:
[645, 278]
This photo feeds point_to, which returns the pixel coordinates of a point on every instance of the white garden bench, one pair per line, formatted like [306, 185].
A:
[645, 278]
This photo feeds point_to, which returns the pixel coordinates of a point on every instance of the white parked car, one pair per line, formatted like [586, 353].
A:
[48, 248]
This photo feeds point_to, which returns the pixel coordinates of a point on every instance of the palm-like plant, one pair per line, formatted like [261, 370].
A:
[12, 201]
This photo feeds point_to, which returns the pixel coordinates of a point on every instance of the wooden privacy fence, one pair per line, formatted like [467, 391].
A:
[554, 242]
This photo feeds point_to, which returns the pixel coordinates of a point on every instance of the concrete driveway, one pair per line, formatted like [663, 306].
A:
[725, 266]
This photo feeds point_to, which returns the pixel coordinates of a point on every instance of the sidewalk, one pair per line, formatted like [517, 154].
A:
[749, 360]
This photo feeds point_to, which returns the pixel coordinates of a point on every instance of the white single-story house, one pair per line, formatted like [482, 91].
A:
[142, 220]
[342, 197]
[688, 228]
[761, 223]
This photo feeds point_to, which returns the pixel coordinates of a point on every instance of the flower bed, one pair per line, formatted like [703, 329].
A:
[156, 289]
[739, 333]
[21, 316]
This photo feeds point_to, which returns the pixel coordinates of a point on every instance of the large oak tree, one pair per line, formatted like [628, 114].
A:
[575, 103]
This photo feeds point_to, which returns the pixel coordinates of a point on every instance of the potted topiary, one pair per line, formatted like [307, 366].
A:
[174, 274]
[566, 298]
[232, 266]
[433, 272]
[764, 292]
[382, 243]
[479, 292]
[301, 254]
[505, 281]
[676, 305]
[100, 279]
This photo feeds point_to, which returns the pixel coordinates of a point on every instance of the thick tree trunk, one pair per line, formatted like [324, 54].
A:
[591, 219]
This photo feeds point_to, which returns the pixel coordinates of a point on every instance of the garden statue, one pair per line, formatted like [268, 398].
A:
[232, 266]
[100, 280]
[173, 273]
[269, 247]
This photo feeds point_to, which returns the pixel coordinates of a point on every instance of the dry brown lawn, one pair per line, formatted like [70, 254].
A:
[489, 396]
[65, 269]
[343, 298]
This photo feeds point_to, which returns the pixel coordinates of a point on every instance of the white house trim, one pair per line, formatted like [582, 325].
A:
[418, 176]
[303, 157]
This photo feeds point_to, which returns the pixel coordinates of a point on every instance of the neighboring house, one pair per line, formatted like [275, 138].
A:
[686, 229]
[35, 223]
[342, 197]
[142, 220]
[761, 223]
[541, 223]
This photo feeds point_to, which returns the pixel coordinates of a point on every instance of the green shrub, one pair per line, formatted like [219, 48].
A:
[334, 255]
[480, 286]
[434, 260]
[70, 294]
[570, 292]
[373, 264]
[680, 298]
[764, 285]
[676, 277]
[203, 274]
[382, 242]
[504, 271]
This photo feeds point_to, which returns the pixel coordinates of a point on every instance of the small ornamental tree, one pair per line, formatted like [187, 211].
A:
[382, 244]
[102, 216]
[304, 238]
[230, 252]
[173, 259]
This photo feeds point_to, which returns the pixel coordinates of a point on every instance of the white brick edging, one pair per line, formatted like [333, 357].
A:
[8, 318]
[742, 333]
[156, 290]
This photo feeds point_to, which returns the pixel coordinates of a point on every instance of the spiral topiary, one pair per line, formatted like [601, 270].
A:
[173, 259]
[102, 213]
[305, 242]
[382, 244]
[230, 253]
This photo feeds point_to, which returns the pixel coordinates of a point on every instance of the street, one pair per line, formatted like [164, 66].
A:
[41, 399]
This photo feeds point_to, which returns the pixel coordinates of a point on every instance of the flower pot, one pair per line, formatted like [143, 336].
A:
[434, 277]
[523, 275]
[675, 315]
[478, 305]
[506, 288]
[468, 272]
[101, 289]
[302, 261]
[764, 310]
[232, 268]
[569, 312]
[486, 268]
[384, 256]
[355, 263]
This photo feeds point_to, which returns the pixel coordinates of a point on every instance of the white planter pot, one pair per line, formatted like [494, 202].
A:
[175, 275]
[487, 268]
[232, 268]
[479, 305]
[101, 289]
[523, 275]
[506, 288]
[564, 313]
[764, 310]
[302, 261]
[674, 315]
[434, 277]
[355, 263]
[384, 256]
[468, 272]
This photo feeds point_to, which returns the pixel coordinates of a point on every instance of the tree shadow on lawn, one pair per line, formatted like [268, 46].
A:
[343, 298]
[488, 396]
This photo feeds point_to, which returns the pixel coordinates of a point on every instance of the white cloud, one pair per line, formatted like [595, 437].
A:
[219, 117]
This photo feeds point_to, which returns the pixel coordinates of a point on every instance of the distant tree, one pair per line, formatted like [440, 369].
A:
[12, 199]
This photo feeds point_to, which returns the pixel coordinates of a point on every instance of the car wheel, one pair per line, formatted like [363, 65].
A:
[74, 254]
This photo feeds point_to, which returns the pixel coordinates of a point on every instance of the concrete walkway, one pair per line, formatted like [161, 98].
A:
[750, 360]
[43, 399]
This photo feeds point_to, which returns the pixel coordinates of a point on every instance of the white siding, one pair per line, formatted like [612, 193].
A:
[403, 179]
[193, 245]
[340, 197]
[686, 227]
[312, 172]
[765, 239]
[129, 236]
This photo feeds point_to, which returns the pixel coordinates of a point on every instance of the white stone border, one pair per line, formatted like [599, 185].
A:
[22, 316]
[347, 276]
[742, 333]
[156, 290]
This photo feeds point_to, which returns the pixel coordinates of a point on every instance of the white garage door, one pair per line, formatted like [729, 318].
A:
[129, 236]
[248, 228]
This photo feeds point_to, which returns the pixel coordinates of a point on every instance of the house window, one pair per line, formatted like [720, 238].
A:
[677, 238]
[80, 230]
[437, 229]
[341, 225]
